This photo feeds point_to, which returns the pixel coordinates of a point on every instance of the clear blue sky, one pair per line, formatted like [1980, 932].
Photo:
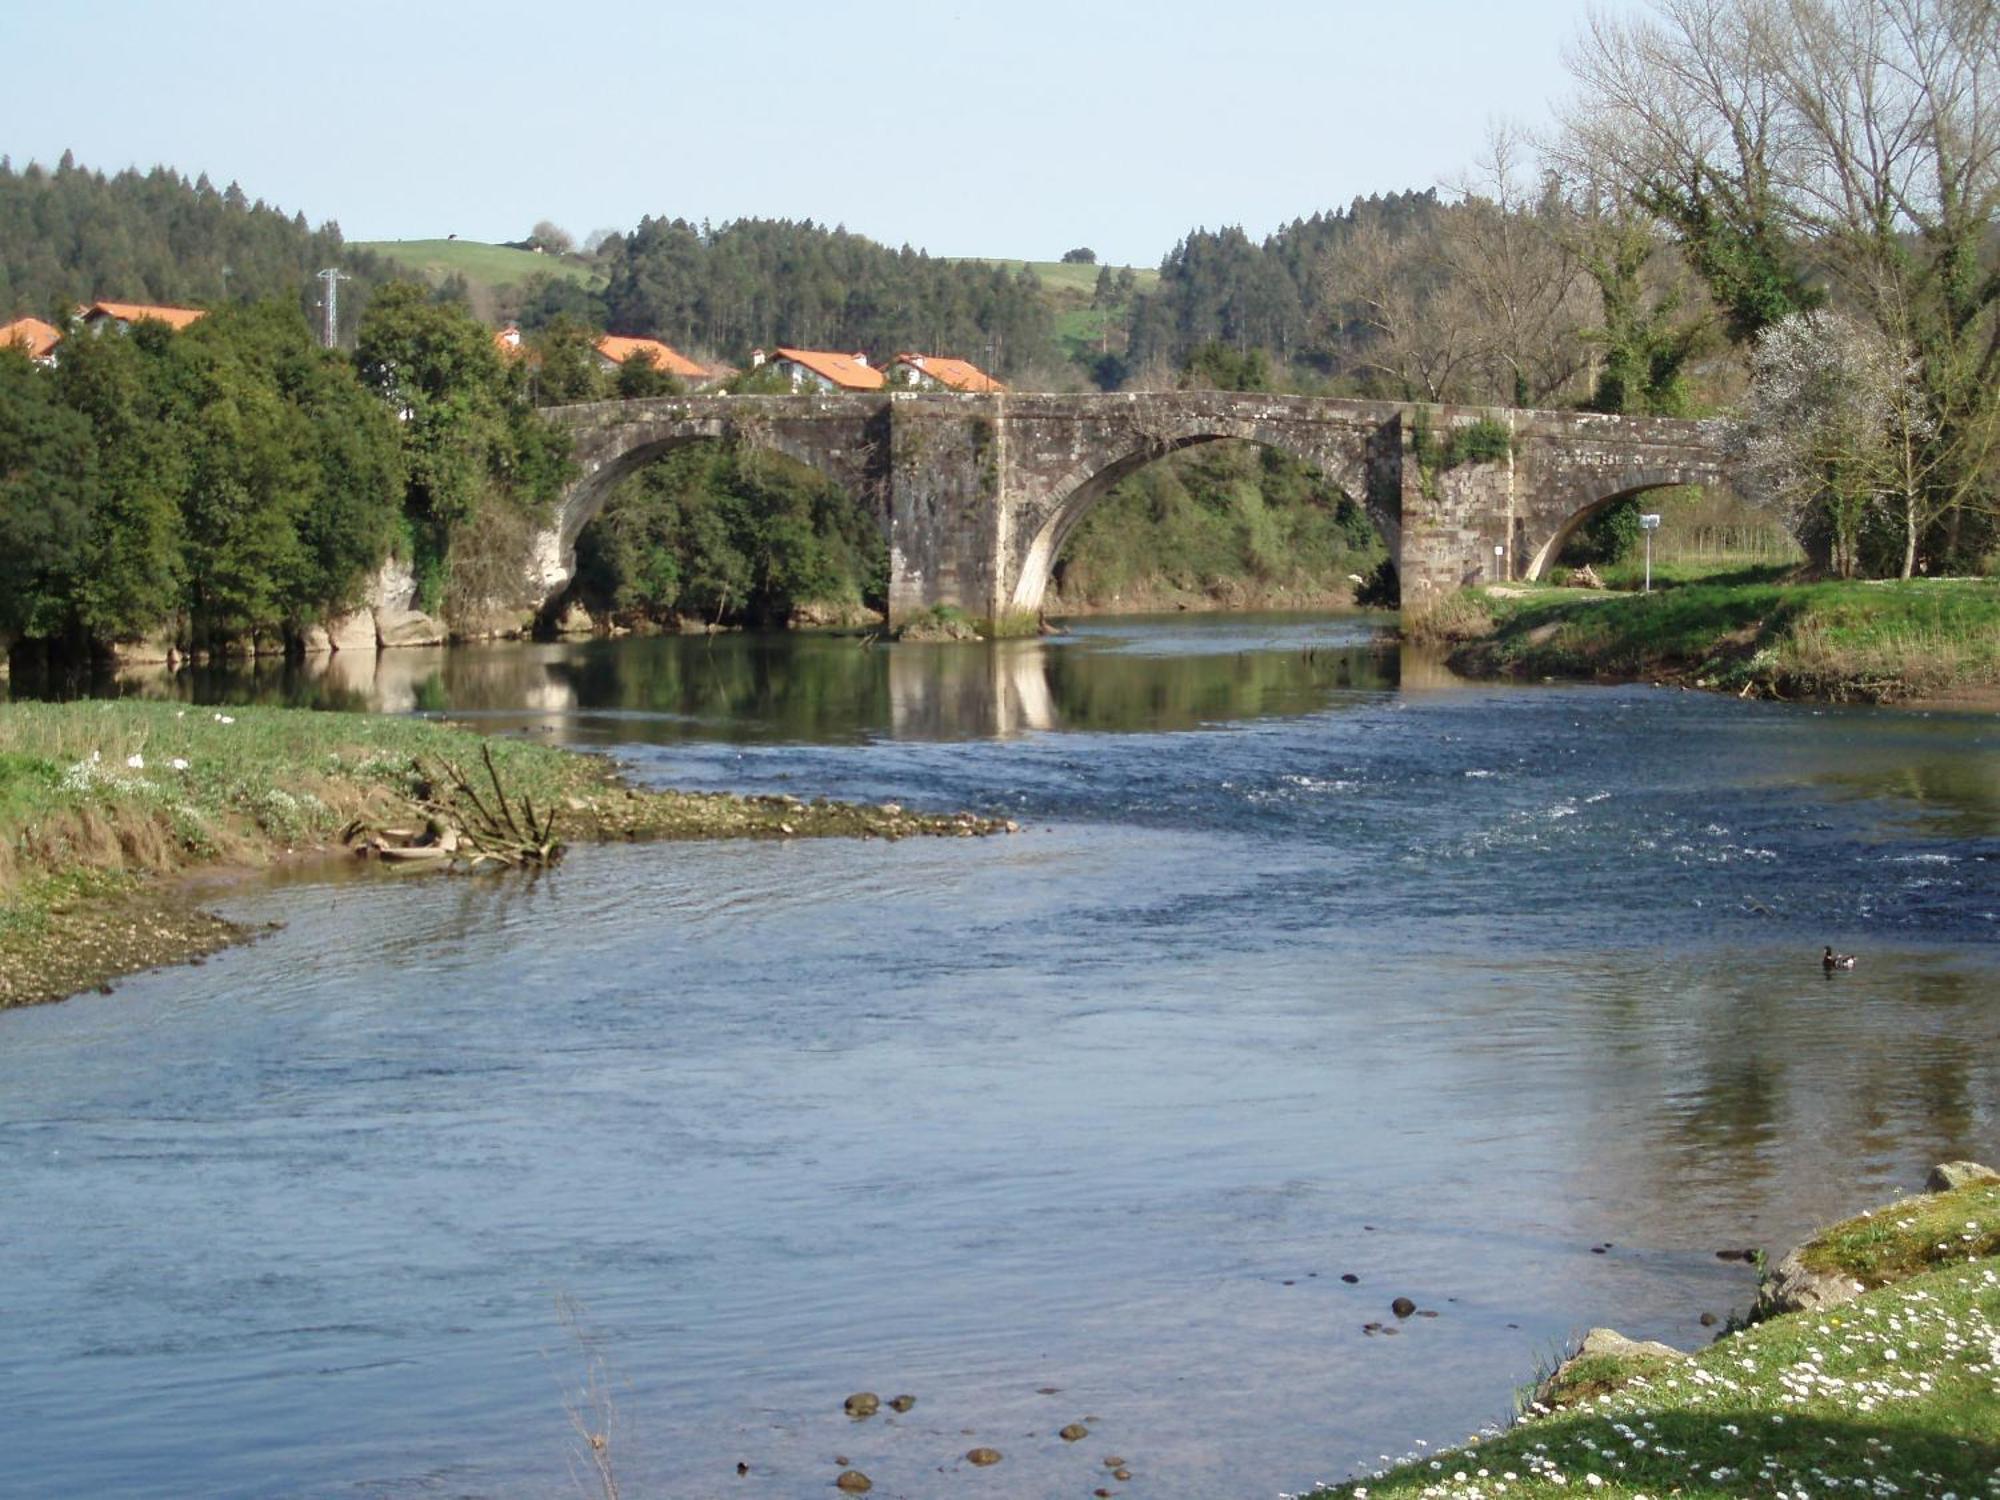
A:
[1012, 129]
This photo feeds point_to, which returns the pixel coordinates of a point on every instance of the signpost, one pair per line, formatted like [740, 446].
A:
[1649, 525]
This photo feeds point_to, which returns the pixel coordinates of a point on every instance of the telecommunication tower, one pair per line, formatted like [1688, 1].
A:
[330, 304]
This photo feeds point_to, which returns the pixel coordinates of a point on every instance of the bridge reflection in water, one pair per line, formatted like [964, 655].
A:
[1175, 673]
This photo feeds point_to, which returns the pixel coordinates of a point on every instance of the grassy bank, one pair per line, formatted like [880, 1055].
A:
[1896, 1392]
[1747, 633]
[100, 799]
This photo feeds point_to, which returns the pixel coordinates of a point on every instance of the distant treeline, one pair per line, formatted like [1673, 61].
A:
[69, 235]
[758, 283]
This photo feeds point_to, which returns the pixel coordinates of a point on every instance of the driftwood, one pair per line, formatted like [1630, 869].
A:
[463, 829]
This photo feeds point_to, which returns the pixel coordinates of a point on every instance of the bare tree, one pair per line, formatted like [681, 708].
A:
[1852, 146]
[1517, 271]
[1406, 325]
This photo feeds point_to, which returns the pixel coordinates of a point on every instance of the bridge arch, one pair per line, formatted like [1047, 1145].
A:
[614, 440]
[1630, 484]
[1047, 521]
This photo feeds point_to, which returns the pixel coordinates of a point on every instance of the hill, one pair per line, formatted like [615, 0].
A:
[482, 265]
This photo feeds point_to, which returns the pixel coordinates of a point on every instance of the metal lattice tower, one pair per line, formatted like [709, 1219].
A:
[330, 304]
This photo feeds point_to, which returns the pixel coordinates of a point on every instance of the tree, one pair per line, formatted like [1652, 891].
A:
[1082, 256]
[471, 444]
[1827, 434]
[48, 468]
[1518, 276]
[1816, 147]
[640, 376]
[551, 237]
[564, 364]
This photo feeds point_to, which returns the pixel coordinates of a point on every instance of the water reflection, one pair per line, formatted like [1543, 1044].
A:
[1107, 675]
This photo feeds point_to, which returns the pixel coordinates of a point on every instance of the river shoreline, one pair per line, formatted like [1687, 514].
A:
[1916, 643]
[1885, 1312]
[116, 817]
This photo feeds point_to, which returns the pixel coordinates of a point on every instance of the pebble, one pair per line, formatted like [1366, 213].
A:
[902, 1403]
[855, 1482]
[1076, 1432]
[863, 1404]
[1708, 1320]
[1402, 1307]
[1121, 1473]
[983, 1457]
[1351, 1279]
[1114, 1462]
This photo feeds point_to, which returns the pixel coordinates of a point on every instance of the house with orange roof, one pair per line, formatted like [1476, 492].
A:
[122, 315]
[935, 370]
[821, 370]
[39, 339]
[508, 342]
[614, 349]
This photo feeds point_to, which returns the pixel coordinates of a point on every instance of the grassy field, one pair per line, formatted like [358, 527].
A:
[97, 798]
[1895, 1393]
[1067, 277]
[482, 265]
[1750, 632]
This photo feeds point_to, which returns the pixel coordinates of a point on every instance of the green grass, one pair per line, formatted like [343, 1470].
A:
[1895, 1243]
[1875, 641]
[1064, 276]
[1897, 1393]
[480, 264]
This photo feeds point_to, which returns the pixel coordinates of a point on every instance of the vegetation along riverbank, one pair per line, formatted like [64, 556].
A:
[1881, 1375]
[99, 801]
[1759, 633]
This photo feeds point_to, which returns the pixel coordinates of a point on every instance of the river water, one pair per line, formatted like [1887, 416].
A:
[1309, 962]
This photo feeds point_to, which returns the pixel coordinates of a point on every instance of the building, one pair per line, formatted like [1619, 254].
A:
[39, 339]
[931, 371]
[821, 370]
[614, 349]
[508, 342]
[122, 315]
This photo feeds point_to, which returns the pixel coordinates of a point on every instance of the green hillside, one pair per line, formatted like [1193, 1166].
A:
[1069, 276]
[494, 266]
[1081, 329]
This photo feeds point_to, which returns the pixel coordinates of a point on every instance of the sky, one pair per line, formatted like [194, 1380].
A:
[1021, 129]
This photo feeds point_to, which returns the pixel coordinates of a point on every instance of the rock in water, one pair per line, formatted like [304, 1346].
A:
[1402, 1307]
[1950, 1176]
[983, 1457]
[1076, 1432]
[855, 1482]
[902, 1403]
[863, 1404]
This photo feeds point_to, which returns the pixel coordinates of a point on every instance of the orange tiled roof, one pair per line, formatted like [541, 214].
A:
[848, 371]
[617, 348]
[508, 342]
[140, 312]
[32, 334]
[959, 374]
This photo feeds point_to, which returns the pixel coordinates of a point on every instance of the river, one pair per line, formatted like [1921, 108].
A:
[1310, 962]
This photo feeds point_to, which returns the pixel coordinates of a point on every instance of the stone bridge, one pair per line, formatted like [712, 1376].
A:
[977, 493]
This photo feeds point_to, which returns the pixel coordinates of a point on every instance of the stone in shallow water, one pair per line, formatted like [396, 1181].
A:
[1402, 1307]
[983, 1457]
[1076, 1432]
[902, 1403]
[855, 1482]
[863, 1404]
